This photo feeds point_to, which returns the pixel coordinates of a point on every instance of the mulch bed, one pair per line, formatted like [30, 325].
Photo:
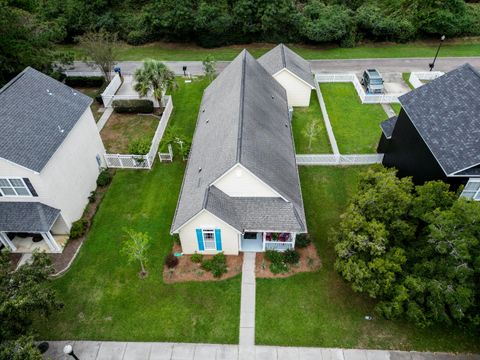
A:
[186, 270]
[309, 262]
[62, 261]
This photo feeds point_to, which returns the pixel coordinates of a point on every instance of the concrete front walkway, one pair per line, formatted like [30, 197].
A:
[247, 302]
[109, 350]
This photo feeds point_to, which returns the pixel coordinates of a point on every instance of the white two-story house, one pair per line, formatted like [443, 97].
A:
[50, 157]
[241, 189]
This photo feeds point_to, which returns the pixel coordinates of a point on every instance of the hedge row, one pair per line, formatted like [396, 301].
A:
[133, 106]
[85, 81]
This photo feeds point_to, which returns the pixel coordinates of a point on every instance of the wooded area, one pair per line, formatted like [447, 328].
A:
[29, 28]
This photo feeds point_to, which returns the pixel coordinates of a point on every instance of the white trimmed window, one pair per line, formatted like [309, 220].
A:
[13, 187]
[209, 239]
[472, 189]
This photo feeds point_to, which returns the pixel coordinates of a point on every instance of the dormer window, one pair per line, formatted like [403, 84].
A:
[13, 187]
[472, 189]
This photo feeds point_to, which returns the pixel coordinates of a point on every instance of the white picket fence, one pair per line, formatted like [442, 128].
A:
[168, 156]
[130, 161]
[331, 159]
[364, 97]
[109, 92]
[416, 77]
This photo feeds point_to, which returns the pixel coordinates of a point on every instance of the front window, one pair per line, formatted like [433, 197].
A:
[209, 239]
[13, 187]
[472, 189]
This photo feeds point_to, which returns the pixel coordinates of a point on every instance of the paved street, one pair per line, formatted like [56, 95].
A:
[318, 66]
[109, 350]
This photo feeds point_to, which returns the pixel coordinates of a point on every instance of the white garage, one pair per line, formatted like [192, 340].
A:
[292, 72]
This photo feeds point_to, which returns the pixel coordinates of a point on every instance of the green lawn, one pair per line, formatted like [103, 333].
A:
[320, 309]
[105, 300]
[355, 125]
[396, 107]
[171, 51]
[302, 117]
[406, 78]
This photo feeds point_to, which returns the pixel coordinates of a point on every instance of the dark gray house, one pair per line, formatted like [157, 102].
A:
[436, 136]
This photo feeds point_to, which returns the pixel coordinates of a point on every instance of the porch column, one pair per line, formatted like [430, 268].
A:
[7, 242]
[263, 239]
[294, 236]
[52, 244]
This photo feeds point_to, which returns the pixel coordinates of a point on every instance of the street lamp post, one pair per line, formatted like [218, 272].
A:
[68, 350]
[432, 64]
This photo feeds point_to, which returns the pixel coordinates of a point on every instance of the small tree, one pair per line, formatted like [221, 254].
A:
[154, 76]
[136, 247]
[311, 132]
[100, 50]
[209, 64]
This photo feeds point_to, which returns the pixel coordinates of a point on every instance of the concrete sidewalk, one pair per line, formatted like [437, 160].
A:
[109, 350]
[247, 302]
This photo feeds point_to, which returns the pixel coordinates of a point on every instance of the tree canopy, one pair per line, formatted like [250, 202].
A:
[414, 248]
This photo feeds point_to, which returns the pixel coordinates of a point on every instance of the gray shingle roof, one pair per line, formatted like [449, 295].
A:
[243, 118]
[254, 213]
[446, 114]
[281, 57]
[36, 115]
[27, 216]
[388, 126]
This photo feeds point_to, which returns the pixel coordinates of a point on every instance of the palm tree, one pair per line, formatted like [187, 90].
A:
[154, 76]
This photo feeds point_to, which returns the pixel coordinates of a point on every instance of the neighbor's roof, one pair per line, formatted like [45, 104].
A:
[243, 118]
[446, 114]
[281, 57]
[27, 216]
[388, 126]
[36, 115]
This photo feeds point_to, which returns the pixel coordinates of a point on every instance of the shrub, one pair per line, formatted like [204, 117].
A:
[133, 106]
[291, 256]
[302, 241]
[78, 228]
[274, 256]
[197, 258]
[216, 265]
[171, 260]
[104, 178]
[278, 268]
[84, 81]
[92, 197]
[139, 147]
[176, 239]
[98, 94]
[137, 37]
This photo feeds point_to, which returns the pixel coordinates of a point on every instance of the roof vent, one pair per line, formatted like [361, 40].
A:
[199, 169]
[207, 121]
[59, 128]
[273, 97]
[286, 125]
[203, 110]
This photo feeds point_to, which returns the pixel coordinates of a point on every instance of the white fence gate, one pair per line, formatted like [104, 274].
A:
[131, 161]
[364, 97]
[166, 156]
[331, 159]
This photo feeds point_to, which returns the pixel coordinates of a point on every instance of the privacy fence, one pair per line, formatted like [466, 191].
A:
[132, 161]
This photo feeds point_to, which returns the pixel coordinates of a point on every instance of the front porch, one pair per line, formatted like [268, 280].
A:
[29, 226]
[259, 241]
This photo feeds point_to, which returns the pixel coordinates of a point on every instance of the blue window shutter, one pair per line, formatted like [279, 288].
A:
[218, 239]
[200, 240]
